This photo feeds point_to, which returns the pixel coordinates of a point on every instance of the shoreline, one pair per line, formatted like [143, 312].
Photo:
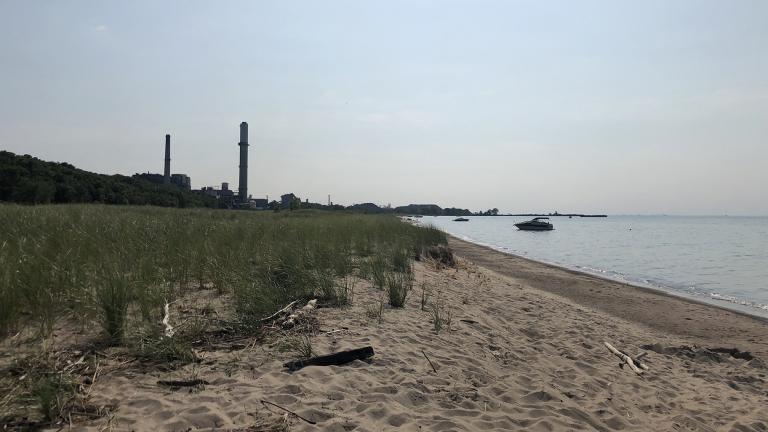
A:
[706, 323]
[673, 254]
[514, 357]
[738, 308]
[510, 353]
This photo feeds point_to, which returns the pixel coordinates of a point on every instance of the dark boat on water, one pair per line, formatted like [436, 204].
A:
[461, 219]
[535, 224]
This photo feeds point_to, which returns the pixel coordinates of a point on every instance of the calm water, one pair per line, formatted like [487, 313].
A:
[722, 260]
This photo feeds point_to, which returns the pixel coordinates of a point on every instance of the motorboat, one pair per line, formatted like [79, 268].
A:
[535, 224]
[461, 219]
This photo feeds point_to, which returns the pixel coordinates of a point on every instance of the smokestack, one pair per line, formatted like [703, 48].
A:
[167, 170]
[243, 189]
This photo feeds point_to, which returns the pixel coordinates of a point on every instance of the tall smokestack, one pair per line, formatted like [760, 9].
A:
[243, 189]
[167, 170]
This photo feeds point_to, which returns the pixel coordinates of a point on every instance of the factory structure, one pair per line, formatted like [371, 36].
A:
[227, 198]
[167, 166]
[243, 187]
[180, 180]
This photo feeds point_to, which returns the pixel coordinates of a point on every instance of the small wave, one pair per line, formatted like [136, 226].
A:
[738, 301]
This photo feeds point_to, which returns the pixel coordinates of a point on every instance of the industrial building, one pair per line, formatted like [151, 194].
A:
[167, 166]
[287, 199]
[227, 197]
[242, 190]
[180, 180]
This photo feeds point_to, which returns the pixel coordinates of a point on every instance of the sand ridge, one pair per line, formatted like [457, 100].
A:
[522, 359]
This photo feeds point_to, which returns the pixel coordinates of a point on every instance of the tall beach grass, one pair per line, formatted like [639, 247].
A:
[117, 266]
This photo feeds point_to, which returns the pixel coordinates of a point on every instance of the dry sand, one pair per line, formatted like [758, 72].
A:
[524, 352]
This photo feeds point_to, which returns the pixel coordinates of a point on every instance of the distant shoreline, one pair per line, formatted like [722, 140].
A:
[520, 214]
[559, 215]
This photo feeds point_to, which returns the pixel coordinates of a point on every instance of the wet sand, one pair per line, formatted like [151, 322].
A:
[701, 323]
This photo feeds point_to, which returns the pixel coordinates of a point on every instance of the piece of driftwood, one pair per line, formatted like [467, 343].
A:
[263, 402]
[627, 359]
[187, 383]
[338, 358]
[430, 361]
[280, 312]
[166, 321]
[294, 317]
[637, 359]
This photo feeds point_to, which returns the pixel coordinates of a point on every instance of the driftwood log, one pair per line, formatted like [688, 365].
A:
[296, 315]
[627, 359]
[639, 357]
[188, 383]
[280, 312]
[287, 316]
[338, 358]
[167, 320]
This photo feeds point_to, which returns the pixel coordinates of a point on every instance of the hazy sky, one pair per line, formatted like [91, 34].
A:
[609, 106]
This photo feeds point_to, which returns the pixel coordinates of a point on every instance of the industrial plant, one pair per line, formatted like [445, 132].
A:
[227, 198]
[180, 180]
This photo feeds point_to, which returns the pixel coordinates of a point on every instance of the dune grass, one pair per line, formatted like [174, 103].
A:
[118, 266]
[115, 268]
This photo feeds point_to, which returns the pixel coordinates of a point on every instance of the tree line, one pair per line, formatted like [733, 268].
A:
[29, 180]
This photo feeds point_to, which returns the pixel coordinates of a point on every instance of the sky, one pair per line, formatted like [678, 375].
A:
[618, 107]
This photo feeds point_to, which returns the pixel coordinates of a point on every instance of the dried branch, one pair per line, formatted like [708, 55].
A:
[627, 359]
[430, 361]
[263, 402]
[280, 312]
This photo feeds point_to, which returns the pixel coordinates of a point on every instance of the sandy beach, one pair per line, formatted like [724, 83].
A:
[373, 216]
[523, 350]
[643, 306]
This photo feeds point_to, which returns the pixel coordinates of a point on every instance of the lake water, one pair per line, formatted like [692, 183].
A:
[720, 260]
